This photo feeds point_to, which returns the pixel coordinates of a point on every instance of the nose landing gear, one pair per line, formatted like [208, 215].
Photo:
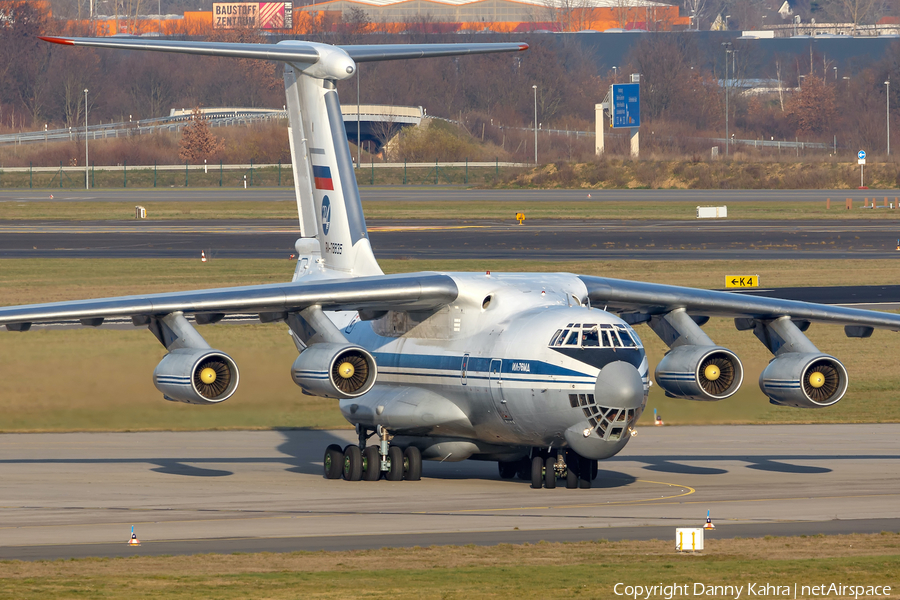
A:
[547, 467]
[369, 463]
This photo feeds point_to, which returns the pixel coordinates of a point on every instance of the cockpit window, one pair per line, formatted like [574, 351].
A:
[627, 340]
[614, 339]
[591, 335]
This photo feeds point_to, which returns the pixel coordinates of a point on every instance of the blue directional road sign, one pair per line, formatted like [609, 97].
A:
[626, 105]
[861, 155]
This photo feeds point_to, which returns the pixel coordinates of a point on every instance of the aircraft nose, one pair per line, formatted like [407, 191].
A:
[619, 385]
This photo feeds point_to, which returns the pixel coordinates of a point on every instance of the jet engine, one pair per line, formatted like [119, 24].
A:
[699, 373]
[334, 370]
[196, 376]
[804, 380]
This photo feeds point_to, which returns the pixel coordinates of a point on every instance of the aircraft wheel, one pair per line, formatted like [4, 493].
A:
[537, 472]
[550, 472]
[507, 469]
[333, 461]
[352, 463]
[571, 470]
[395, 456]
[594, 470]
[412, 459]
[584, 473]
[371, 464]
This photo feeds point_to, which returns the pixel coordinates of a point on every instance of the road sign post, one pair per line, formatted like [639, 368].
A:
[861, 159]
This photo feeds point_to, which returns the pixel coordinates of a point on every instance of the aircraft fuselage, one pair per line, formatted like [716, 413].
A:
[513, 363]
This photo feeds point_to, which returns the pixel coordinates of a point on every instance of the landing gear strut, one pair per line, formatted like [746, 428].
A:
[546, 467]
[369, 463]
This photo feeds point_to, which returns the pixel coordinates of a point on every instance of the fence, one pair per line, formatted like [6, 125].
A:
[247, 175]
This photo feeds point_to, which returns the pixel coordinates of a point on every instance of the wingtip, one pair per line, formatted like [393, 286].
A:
[523, 47]
[56, 40]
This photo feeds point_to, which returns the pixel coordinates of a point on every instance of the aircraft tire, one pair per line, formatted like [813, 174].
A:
[550, 472]
[584, 472]
[571, 470]
[333, 461]
[395, 473]
[352, 463]
[595, 468]
[537, 472]
[507, 469]
[372, 464]
[412, 460]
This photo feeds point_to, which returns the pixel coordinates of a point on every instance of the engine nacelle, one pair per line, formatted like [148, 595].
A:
[804, 380]
[196, 376]
[335, 370]
[700, 373]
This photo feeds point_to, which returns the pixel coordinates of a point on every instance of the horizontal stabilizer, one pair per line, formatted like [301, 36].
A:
[404, 51]
[294, 52]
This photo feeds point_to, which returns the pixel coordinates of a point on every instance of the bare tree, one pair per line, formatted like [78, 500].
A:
[695, 11]
[197, 141]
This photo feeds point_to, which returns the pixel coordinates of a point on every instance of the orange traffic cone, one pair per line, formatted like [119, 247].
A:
[709, 523]
[134, 541]
[202, 256]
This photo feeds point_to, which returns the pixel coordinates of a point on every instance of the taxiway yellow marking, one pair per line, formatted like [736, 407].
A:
[593, 504]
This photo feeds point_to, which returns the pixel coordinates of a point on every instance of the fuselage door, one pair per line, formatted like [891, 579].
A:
[496, 385]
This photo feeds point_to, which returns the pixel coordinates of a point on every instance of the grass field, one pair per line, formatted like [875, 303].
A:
[536, 571]
[100, 379]
[473, 210]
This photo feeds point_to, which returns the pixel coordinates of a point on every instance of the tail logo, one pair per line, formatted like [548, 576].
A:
[326, 215]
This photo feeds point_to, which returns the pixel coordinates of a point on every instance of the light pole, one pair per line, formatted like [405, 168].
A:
[358, 133]
[725, 82]
[616, 74]
[534, 87]
[87, 180]
[888, 84]
[835, 73]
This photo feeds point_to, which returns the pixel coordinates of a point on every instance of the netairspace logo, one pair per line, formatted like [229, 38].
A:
[751, 590]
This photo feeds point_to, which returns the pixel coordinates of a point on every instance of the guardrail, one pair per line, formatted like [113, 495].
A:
[101, 131]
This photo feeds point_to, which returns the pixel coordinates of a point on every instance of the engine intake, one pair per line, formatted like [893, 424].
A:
[804, 380]
[706, 373]
[334, 370]
[196, 376]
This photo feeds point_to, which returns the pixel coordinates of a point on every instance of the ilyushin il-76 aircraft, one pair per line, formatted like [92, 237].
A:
[540, 372]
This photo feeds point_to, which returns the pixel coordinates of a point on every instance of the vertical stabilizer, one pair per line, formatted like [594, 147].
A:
[327, 194]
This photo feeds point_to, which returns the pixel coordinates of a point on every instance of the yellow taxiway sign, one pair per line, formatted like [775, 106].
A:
[742, 281]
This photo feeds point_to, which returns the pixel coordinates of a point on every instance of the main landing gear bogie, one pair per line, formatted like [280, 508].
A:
[369, 463]
[544, 468]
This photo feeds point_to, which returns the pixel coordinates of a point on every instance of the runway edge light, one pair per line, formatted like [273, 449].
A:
[709, 523]
[134, 541]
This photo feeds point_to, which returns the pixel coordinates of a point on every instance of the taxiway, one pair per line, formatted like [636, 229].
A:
[70, 495]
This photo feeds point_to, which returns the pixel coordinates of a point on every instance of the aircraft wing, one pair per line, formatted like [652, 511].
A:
[417, 291]
[637, 302]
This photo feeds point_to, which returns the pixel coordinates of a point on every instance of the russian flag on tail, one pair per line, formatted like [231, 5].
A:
[322, 177]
